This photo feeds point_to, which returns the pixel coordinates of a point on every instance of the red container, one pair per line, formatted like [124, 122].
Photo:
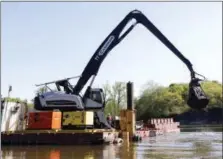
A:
[44, 120]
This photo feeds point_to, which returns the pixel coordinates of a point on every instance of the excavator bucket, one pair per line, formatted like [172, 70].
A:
[197, 98]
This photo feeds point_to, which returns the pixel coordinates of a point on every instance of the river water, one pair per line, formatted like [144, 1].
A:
[188, 144]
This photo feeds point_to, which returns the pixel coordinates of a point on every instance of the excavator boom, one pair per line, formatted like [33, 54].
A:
[114, 38]
[197, 98]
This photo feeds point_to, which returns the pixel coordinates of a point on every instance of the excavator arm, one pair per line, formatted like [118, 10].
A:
[115, 38]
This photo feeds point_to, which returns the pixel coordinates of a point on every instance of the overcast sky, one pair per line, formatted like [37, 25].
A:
[42, 42]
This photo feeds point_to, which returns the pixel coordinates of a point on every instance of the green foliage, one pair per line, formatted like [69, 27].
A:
[14, 99]
[158, 101]
[41, 90]
[45, 89]
[213, 89]
[115, 97]
[11, 99]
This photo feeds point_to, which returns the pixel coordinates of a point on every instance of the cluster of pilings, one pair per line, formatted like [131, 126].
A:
[163, 125]
[158, 126]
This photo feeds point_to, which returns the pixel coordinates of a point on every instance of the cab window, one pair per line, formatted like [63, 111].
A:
[96, 96]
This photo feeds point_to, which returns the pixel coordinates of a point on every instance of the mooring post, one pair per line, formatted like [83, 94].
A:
[130, 96]
[130, 115]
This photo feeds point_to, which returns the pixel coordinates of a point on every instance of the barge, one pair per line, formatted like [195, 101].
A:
[21, 127]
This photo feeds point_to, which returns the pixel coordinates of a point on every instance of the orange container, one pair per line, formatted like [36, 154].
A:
[44, 120]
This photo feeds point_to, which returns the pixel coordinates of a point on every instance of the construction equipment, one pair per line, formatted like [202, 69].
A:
[78, 120]
[57, 99]
[93, 98]
[44, 120]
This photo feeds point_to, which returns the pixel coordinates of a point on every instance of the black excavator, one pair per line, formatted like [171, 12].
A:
[93, 98]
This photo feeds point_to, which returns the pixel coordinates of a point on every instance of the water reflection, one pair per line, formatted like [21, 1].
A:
[204, 128]
[125, 150]
[173, 146]
[58, 152]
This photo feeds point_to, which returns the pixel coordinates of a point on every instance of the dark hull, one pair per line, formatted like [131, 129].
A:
[53, 138]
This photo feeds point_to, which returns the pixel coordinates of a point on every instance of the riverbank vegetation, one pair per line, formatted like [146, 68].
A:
[157, 101]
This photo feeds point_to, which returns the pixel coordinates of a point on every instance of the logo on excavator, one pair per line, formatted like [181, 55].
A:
[105, 47]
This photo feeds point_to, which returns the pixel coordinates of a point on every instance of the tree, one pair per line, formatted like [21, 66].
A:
[11, 99]
[115, 97]
[45, 89]
[213, 89]
[41, 90]
[107, 92]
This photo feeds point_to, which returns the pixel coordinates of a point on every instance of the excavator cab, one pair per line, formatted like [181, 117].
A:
[97, 95]
[66, 86]
[197, 98]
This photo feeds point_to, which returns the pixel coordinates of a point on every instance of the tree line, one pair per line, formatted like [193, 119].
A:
[160, 101]
[156, 101]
